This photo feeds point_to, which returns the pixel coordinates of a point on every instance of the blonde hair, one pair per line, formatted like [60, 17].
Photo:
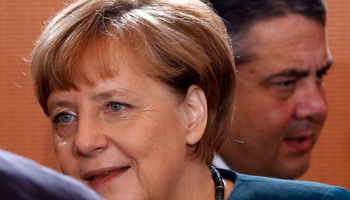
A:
[182, 42]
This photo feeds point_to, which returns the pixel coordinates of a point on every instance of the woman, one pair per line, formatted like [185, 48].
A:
[140, 97]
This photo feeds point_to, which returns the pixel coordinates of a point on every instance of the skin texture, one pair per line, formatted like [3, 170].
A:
[281, 104]
[135, 128]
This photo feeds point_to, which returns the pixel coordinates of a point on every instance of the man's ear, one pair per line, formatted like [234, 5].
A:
[196, 110]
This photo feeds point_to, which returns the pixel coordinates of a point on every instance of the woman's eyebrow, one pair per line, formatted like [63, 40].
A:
[56, 104]
[109, 94]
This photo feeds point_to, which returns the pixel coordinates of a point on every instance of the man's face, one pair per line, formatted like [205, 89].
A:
[281, 104]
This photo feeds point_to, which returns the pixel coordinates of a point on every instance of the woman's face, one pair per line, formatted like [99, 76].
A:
[125, 137]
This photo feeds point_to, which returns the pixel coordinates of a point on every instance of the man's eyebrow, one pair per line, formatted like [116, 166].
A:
[325, 68]
[295, 73]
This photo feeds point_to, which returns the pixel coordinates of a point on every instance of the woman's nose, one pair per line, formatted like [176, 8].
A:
[312, 104]
[89, 139]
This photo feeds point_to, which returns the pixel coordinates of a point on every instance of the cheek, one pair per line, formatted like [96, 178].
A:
[167, 137]
[151, 138]
[281, 115]
[263, 110]
[156, 149]
[260, 117]
[64, 155]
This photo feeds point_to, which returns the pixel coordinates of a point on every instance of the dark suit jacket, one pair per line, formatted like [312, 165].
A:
[21, 178]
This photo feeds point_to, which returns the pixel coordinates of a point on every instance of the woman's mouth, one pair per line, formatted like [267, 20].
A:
[100, 177]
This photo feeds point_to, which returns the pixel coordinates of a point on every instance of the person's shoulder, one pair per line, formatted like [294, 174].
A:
[258, 187]
[22, 178]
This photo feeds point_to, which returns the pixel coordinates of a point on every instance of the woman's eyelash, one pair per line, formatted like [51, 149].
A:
[117, 106]
[56, 118]
[113, 106]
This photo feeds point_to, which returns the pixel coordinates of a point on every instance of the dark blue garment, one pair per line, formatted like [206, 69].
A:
[22, 178]
[249, 187]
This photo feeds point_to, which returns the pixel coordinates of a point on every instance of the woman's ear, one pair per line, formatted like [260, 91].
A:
[196, 110]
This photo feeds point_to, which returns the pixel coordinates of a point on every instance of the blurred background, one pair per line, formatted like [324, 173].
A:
[25, 130]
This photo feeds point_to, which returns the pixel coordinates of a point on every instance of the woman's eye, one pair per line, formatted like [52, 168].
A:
[117, 112]
[64, 118]
[115, 106]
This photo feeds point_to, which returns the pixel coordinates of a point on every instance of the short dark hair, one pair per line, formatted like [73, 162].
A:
[241, 15]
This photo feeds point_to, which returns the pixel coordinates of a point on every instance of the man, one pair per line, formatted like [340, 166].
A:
[22, 178]
[281, 57]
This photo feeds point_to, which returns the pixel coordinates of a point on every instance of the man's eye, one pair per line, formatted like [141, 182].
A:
[320, 75]
[286, 84]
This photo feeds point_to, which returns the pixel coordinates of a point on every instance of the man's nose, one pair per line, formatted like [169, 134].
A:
[312, 103]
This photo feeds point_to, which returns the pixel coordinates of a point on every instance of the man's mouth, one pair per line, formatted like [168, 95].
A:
[299, 144]
[298, 139]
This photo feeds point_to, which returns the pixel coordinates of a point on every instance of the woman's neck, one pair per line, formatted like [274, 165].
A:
[197, 183]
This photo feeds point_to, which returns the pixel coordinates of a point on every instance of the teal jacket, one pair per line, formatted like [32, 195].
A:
[248, 187]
